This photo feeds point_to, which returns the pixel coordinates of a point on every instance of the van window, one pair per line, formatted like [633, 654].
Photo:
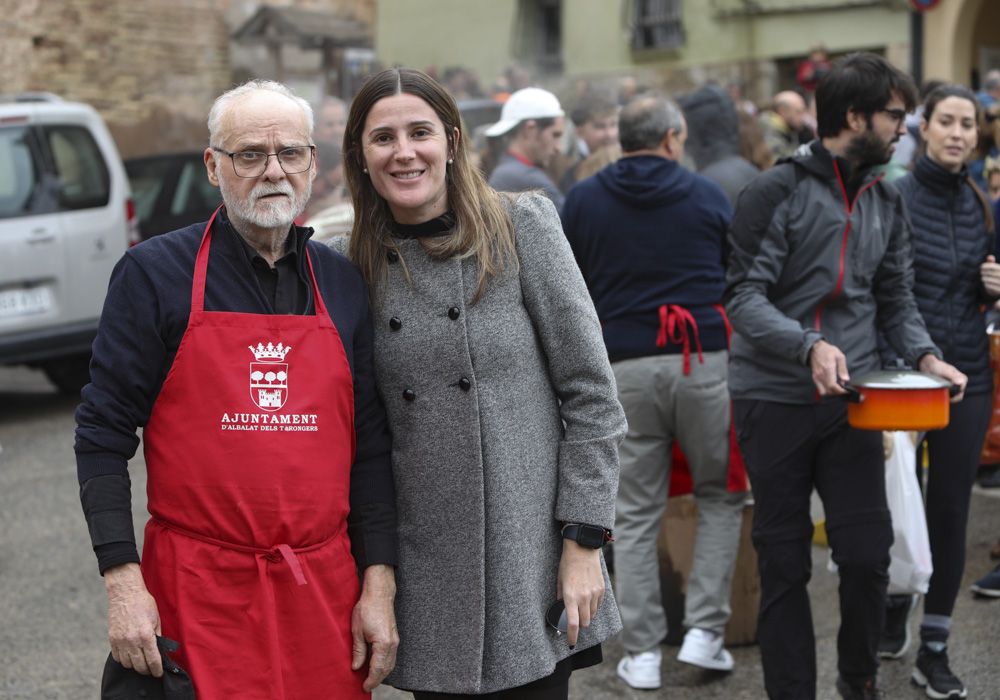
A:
[82, 171]
[19, 176]
[194, 193]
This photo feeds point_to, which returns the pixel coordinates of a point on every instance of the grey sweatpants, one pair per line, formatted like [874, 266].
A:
[661, 405]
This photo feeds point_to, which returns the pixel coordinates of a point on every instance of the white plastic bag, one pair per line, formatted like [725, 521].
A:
[910, 568]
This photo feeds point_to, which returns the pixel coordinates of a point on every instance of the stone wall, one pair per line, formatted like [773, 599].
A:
[150, 67]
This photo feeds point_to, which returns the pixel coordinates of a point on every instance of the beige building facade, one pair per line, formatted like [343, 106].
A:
[674, 43]
[961, 40]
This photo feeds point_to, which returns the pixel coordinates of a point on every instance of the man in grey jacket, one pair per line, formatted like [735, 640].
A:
[820, 264]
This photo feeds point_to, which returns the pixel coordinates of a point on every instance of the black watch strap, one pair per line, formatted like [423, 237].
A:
[585, 535]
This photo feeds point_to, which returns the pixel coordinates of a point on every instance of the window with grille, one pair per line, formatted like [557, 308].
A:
[658, 24]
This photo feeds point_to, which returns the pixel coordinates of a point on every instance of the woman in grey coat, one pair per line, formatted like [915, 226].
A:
[501, 401]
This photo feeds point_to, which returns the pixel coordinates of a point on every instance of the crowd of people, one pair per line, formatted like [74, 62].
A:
[454, 410]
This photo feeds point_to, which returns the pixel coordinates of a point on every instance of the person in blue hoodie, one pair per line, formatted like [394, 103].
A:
[649, 237]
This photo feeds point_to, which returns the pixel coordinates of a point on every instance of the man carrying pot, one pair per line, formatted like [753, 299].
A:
[820, 264]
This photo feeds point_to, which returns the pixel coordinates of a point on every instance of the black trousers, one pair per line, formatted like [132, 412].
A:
[555, 686]
[953, 456]
[789, 449]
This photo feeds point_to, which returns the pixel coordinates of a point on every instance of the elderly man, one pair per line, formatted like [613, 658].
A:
[648, 236]
[820, 264]
[245, 352]
[532, 122]
[782, 124]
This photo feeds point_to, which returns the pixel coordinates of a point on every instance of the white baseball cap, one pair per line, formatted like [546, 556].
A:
[527, 103]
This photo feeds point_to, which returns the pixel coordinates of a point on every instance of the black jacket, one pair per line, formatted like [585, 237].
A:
[950, 240]
[809, 260]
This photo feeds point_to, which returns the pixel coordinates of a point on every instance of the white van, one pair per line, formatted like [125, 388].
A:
[66, 217]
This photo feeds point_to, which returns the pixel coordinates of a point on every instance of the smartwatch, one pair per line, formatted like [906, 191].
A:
[589, 536]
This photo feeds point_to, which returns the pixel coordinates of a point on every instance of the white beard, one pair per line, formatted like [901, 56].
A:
[270, 213]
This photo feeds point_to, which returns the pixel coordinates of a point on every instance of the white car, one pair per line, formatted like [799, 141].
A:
[66, 217]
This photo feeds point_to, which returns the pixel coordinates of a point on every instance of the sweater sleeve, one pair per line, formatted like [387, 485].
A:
[125, 375]
[372, 520]
[557, 300]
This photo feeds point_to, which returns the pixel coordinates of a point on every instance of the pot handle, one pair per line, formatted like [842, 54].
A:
[953, 390]
[853, 394]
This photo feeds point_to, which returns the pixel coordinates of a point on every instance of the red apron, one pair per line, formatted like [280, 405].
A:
[249, 450]
[674, 322]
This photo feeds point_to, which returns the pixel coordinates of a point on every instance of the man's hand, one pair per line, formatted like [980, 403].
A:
[829, 368]
[931, 365]
[989, 273]
[133, 621]
[580, 586]
[374, 622]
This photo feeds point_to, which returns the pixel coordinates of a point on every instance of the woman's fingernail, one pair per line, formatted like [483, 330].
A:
[572, 647]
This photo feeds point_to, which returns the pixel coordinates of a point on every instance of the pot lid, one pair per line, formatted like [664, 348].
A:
[900, 379]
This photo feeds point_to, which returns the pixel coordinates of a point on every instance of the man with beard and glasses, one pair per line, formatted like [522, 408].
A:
[244, 350]
[820, 264]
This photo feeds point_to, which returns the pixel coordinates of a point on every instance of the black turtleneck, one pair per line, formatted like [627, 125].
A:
[439, 226]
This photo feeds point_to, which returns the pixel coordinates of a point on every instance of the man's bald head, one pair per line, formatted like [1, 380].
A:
[219, 113]
[790, 106]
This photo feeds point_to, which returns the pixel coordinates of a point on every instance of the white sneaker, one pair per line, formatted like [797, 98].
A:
[641, 670]
[704, 648]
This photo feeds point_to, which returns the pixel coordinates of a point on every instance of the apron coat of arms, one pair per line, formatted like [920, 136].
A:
[269, 376]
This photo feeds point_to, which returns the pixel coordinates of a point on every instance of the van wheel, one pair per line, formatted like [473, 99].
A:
[69, 374]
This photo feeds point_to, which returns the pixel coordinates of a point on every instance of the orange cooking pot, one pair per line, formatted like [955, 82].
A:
[899, 400]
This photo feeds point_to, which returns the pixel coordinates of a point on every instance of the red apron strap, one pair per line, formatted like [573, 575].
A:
[725, 321]
[293, 562]
[274, 554]
[674, 322]
[321, 312]
[201, 265]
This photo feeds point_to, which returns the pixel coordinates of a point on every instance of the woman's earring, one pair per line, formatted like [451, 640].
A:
[450, 161]
[364, 170]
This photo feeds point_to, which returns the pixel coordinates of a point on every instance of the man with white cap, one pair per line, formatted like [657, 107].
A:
[532, 121]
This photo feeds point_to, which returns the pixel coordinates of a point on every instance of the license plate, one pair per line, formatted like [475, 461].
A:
[25, 302]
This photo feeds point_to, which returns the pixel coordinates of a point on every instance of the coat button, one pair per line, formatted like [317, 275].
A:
[392, 255]
[409, 394]
[464, 384]
[395, 324]
[454, 312]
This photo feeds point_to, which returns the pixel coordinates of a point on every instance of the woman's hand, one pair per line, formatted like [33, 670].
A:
[989, 273]
[931, 365]
[581, 586]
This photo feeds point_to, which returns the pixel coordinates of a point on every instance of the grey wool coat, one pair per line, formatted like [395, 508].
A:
[505, 423]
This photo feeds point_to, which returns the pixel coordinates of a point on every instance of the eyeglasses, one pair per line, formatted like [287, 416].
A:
[295, 159]
[897, 115]
[555, 617]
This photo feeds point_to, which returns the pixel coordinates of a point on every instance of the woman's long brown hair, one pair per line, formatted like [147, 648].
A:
[483, 227]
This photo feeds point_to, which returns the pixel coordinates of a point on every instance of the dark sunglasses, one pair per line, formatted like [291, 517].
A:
[555, 617]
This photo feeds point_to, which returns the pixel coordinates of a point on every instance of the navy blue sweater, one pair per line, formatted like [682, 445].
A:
[950, 241]
[647, 232]
[144, 318]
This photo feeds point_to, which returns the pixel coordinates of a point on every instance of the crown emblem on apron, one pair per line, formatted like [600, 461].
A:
[269, 376]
